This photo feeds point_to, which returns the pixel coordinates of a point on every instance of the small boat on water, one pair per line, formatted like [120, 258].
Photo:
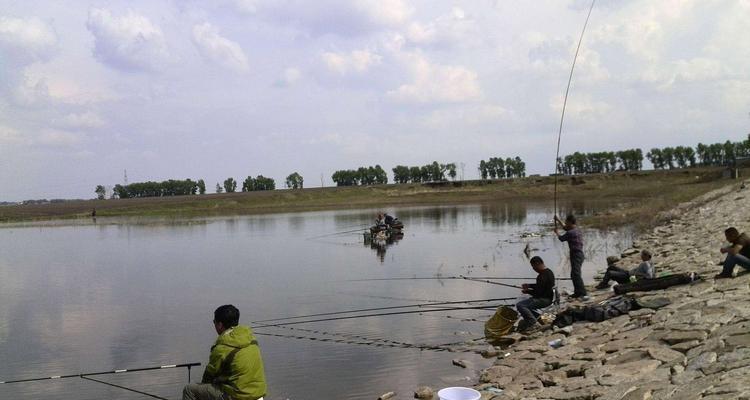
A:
[395, 226]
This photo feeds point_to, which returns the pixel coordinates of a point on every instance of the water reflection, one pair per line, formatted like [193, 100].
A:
[131, 293]
[381, 241]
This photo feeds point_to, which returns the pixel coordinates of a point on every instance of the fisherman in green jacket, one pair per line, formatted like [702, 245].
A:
[235, 368]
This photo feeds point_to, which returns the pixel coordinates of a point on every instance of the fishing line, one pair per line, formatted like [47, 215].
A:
[116, 371]
[123, 387]
[447, 278]
[565, 103]
[381, 309]
[336, 233]
[487, 307]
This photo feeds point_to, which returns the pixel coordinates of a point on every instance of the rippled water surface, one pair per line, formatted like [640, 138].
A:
[134, 293]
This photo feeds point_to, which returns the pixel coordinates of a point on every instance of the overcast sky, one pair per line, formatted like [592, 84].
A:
[211, 89]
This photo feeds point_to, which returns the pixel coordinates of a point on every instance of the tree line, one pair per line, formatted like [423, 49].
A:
[361, 176]
[171, 187]
[433, 172]
[496, 167]
[704, 154]
[600, 162]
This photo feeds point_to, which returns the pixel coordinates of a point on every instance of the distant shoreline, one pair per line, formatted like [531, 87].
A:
[635, 196]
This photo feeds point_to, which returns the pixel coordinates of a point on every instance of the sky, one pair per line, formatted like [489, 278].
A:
[213, 89]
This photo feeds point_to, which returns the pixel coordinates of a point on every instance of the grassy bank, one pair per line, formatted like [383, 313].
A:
[636, 197]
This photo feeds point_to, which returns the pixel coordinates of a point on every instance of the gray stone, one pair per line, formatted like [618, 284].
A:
[685, 336]
[424, 392]
[685, 346]
[666, 355]
[702, 361]
[628, 356]
[739, 340]
[686, 377]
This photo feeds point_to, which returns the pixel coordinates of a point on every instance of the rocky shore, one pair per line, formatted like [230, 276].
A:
[698, 347]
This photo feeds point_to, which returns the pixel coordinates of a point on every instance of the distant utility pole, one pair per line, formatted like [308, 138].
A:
[125, 178]
[321, 179]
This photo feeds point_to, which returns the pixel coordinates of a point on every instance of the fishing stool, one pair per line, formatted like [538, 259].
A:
[553, 308]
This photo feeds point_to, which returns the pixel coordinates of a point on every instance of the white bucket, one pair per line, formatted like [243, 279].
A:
[459, 393]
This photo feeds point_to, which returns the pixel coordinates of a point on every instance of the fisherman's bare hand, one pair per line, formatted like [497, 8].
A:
[525, 286]
[723, 250]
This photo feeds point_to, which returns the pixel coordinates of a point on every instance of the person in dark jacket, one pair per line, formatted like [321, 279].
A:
[645, 270]
[574, 237]
[738, 252]
[542, 294]
[235, 368]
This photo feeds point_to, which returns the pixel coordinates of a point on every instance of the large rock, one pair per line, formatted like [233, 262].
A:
[702, 361]
[685, 336]
[666, 355]
[424, 392]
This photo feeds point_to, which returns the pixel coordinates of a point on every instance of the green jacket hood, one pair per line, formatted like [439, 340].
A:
[239, 337]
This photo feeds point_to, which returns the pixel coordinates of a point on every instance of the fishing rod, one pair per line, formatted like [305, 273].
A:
[490, 282]
[487, 307]
[116, 371]
[339, 233]
[448, 277]
[565, 103]
[382, 308]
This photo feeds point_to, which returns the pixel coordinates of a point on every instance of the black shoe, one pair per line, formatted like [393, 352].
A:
[602, 286]
[722, 276]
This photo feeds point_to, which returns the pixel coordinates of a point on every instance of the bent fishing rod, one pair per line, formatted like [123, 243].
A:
[565, 103]
[419, 305]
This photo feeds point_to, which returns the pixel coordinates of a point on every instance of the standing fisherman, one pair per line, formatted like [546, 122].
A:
[235, 368]
[574, 238]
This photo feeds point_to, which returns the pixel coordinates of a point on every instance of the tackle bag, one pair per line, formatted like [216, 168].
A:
[646, 285]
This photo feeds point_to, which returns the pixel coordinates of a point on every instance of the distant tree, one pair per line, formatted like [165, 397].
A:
[401, 174]
[100, 192]
[219, 189]
[451, 168]
[263, 183]
[483, 172]
[248, 185]
[294, 181]
[230, 185]
[201, 186]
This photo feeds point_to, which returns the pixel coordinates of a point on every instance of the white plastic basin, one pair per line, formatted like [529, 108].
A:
[458, 393]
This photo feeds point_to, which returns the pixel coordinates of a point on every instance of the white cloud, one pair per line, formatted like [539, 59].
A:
[581, 108]
[694, 70]
[450, 29]
[219, 49]
[437, 83]
[357, 61]
[289, 77]
[29, 92]
[57, 138]
[129, 43]
[9, 136]
[468, 115]
[341, 17]
[85, 120]
[26, 40]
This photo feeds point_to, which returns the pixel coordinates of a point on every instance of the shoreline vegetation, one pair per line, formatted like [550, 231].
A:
[636, 197]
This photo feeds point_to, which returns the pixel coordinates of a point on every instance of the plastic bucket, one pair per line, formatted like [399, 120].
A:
[459, 393]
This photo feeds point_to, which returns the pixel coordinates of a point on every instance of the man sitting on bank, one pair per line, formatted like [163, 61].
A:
[645, 270]
[738, 252]
[235, 368]
[541, 295]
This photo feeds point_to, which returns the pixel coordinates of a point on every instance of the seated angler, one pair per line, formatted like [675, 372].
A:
[541, 295]
[645, 270]
[738, 252]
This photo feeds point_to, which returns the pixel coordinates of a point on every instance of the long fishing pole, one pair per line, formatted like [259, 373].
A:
[116, 371]
[446, 278]
[338, 233]
[487, 307]
[565, 103]
[381, 309]
[490, 282]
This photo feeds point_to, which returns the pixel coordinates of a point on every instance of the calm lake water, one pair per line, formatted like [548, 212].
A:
[141, 292]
